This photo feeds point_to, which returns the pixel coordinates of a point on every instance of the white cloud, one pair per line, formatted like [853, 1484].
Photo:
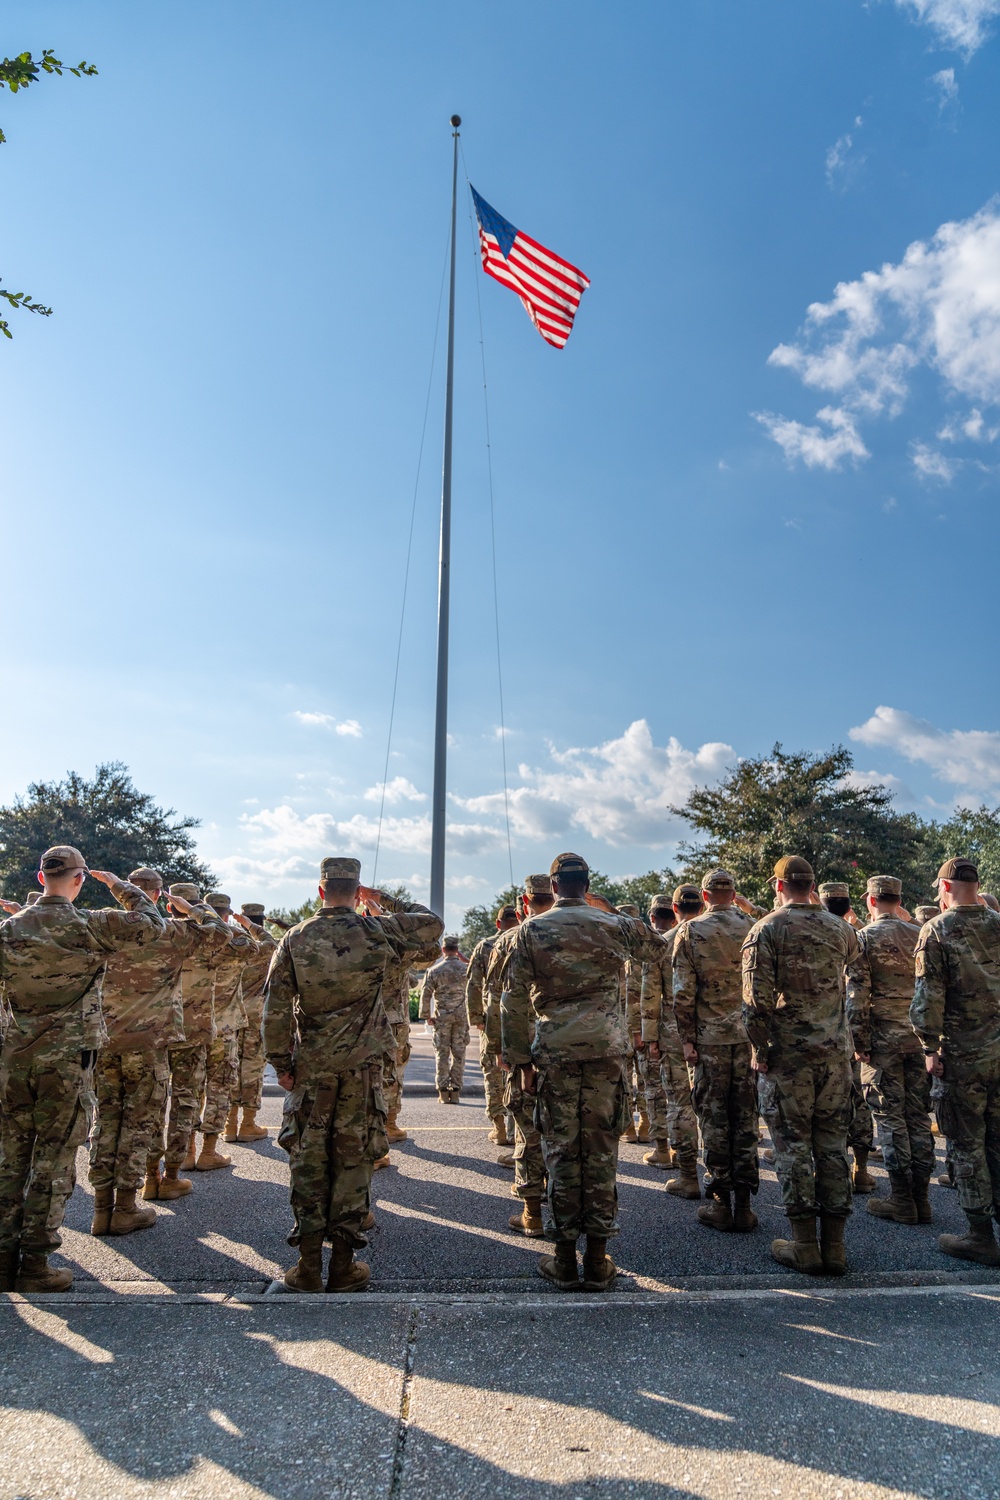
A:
[901, 792]
[396, 790]
[937, 309]
[969, 759]
[284, 841]
[972, 428]
[620, 791]
[947, 87]
[308, 718]
[817, 449]
[931, 464]
[349, 727]
[843, 163]
[961, 24]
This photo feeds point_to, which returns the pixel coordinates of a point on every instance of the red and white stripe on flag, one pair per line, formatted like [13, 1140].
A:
[549, 286]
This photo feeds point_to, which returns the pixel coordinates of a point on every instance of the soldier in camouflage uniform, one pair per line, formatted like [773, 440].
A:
[630, 990]
[662, 1115]
[52, 962]
[563, 1027]
[926, 913]
[956, 1015]
[708, 999]
[222, 1058]
[659, 1030]
[794, 963]
[478, 1001]
[897, 1085]
[529, 1167]
[143, 1015]
[442, 1003]
[248, 1092]
[835, 897]
[325, 1034]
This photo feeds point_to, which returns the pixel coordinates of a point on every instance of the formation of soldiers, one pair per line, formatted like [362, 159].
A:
[148, 1029]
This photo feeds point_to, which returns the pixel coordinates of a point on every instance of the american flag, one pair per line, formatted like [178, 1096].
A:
[549, 286]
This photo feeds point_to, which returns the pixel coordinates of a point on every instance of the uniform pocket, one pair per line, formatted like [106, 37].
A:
[623, 1105]
[291, 1120]
[378, 1142]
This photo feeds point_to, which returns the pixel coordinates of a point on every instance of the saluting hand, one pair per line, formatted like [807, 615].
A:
[105, 877]
[10, 906]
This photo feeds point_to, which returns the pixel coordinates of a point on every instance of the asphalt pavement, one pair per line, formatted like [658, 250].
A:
[176, 1367]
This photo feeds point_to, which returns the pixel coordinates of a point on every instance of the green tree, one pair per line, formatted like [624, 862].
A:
[805, 804]
[976, 834]
[481, 921]
[17, 73]
[115, 826]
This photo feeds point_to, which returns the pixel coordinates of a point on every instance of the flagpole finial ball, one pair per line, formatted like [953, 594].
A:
[456, 120]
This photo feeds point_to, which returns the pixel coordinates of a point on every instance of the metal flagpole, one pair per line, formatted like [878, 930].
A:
[440, 794]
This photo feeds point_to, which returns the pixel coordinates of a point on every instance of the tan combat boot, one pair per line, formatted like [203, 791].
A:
[744, 1218]
[560, 1268]
[642, 1129]
[454, 1095]
[104, 1202]
[599, 1270]
[629, 1133]
[801, 1252]
[191, 1154]
[498, 1135]
[345, 1274]
[394, 1133]
[368, 1222]
[35, 1275]
[126, 1217]
[920, 1184]
[899, 1206]
[529, 1221]
[687, 1184]
[8, 1269]
[381, 1163]
[307, 1276]
[978, 1245]
[249, 1129]
[173, 1186]
[506, 1159]
[831, 1244]
[211, 1159]
[660, 1156]
[863, 1182]
[232, 1125]
[444, 1097]
[151, 1186]
[717, 1213]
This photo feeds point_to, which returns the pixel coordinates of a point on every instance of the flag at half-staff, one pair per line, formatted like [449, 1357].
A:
[549, 286]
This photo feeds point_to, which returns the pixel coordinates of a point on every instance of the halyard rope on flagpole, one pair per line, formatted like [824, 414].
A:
[406, 572]
[493, 530]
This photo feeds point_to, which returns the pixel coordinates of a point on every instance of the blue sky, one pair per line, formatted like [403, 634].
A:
[754, 499]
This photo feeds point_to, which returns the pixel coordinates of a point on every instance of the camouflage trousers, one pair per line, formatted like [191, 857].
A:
[725, 1099]
[529, 1168]
[395, 1067]
[249, 1090]
[45, 1108]
[581, 1110]
[451, 1037]
[333, 1130]
[898, 1090]
[806, 1102]
[969, 1115]
[187, 1083]
[131, 1090]
[861, 1135]
[493, 1076]
[633, 1081]
[222, 1066]
[654, 1096]
[682, 1123]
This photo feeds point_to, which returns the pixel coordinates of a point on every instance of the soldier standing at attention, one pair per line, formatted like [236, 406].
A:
[478, 1001]
[956, 1015]
[835, 897]
[897, 1084]
[794, 1012]
[707, 1008]
[659, 1028]
[248, 1092]
[444, 987]
[52, 961]
[325, 1034]
[635, 1072]
[661, 1115]
[222, 1058]
[396, 1000]
[563, 1027]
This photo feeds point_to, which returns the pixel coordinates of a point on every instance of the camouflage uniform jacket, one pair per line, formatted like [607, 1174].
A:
[880, 986]
[323, 1011]
[656, 1009]
[956, 1002]
[142, 1004]
[566, 967]
[198, 987]
[707, 987]
[497, 971]
[52, 962]
[794, 983]
[254, 975]
[227, 997]
[397, 983]
[476, 995]
[444, 983]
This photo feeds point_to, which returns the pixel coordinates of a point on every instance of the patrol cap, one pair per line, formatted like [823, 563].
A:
[62, 859]
[505, 913]
[569, 864]
[718, 880]
[927, 913]
[687, 895]
[32, 897]
[630, 910]
[146, 876]
[339, 867]
[835, 888]
[449, 940]
[538, 885]
[884, 885]
[957, 869]
[252, 908]
[218, 901]
[793, 867]
[186, 890]
[661, 902]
